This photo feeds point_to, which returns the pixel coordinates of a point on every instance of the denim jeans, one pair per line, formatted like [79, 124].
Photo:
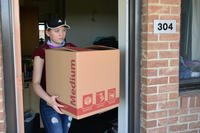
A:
[54, 122]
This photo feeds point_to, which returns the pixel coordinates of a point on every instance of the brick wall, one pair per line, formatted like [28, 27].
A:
[164, 110]
[2, 108]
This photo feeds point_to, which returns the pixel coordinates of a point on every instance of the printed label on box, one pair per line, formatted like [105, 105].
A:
[87, 100]
[111, 94]
[100, 97]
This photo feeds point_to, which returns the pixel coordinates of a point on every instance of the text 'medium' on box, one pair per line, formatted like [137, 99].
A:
[86, 80]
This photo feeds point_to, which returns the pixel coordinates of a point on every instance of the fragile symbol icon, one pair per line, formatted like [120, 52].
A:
[100, 97]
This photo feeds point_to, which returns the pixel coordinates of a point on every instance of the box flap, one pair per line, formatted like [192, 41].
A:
[76, 49]
[90, 48]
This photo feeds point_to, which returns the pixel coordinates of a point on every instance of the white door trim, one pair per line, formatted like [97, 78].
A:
[123, 33]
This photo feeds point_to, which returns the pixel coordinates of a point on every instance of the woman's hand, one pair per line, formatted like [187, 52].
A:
[54, 104]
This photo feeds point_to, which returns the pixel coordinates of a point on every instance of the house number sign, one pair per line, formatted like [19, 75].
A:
[165, 26]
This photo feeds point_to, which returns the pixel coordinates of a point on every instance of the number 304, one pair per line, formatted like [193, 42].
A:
[165, 26]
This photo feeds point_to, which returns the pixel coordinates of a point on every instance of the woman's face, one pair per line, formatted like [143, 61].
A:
[57, 35]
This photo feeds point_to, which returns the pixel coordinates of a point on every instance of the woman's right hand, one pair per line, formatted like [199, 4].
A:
[52, 101]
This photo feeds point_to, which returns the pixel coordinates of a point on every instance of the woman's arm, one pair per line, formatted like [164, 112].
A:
[38, 64]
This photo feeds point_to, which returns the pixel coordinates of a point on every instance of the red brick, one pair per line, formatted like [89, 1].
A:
[150, 28]
[174, 62]
[2, 126]
[188, 118]
[174, 45]
[156, 98]
[183, 111]
[158, 130]
[184, 102]
[149, 90]
[145, 27]
[144, 81]
[157, 81]
[170, 2]
[145, 10]
[156, 115]
[168, 105]
[175, 10]
[150, 124]
[165, 10]
[191, 131]
[172, 17]
[157, 46]
[152, 9]
[1, 92]
[169, 54]
[194, 125]
[168, 71]
[149, 37]
[169, 37]
[176, 112]
[168, 88]
[143, 130]
[1, 83]
[178, 28]
[192, 102]
[173, 96]
[156, 63]
[195, 110]
[149, 18]
[173, 112]
[2, 116]
[149, 107]
[150, 1]
[149, 72]
[144, 115]
[1, 104]
[173, 79]
[181, 127]
[150, 55]
[198, 101]
[167, 121]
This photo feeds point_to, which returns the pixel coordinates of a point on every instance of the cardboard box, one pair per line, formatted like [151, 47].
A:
[86, 80]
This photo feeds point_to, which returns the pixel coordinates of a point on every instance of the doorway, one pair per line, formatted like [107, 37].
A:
[123, 33]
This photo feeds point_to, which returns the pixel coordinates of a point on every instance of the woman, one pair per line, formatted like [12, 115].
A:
[54, 120]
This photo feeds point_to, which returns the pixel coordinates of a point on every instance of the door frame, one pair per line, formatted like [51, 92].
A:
[130, 84]
[129, 45]
[12, 74]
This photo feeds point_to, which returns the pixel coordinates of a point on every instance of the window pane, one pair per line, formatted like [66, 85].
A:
[189, 69]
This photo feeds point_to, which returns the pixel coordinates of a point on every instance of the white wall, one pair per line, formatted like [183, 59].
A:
[90, 19]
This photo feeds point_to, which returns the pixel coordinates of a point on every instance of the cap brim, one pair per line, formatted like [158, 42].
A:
[67, 26]
[63, 25]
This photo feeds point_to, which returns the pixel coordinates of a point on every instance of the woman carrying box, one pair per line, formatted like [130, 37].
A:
[54, 120]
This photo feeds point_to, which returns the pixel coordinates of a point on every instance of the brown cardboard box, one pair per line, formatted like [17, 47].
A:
[86, 80]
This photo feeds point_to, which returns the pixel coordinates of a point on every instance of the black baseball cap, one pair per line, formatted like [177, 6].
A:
[55, 21]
